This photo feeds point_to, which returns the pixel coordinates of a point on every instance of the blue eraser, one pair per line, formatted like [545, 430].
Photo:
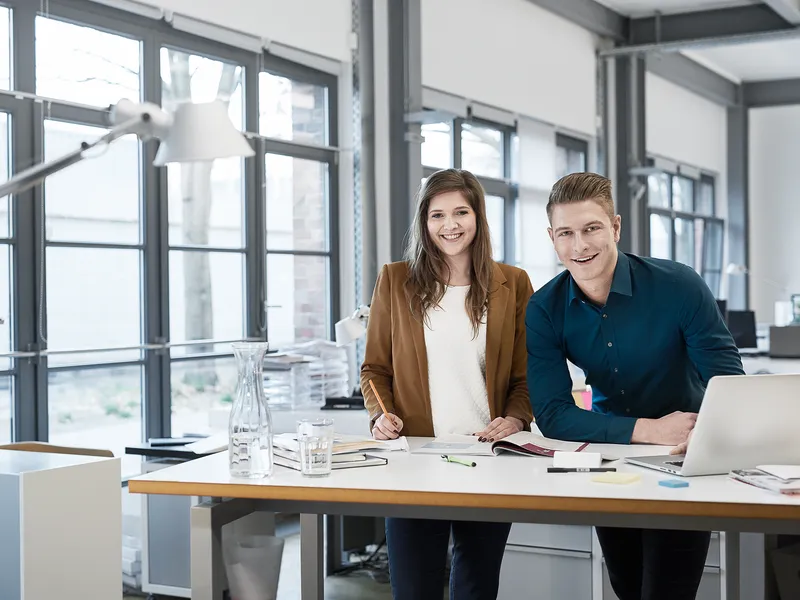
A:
[673, 483]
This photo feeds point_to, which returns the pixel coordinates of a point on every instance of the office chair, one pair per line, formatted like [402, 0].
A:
[742, 325]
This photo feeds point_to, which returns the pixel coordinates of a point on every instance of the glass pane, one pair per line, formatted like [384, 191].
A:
[202, 392]
[192, 78]
[105, 210]
[514, 158]
[705, 200]
[6, 409]
[292, 110]
[712, 246]
[205, 203]
[495, 214]
[298, 299]
[93, 301]
[569, 161]
[297, 203]
[437, 147]
[713, 281]
[97, 408]
[658, 190]
[699, 233]
[5, 304]
[5, 49]
[482, 150]
[85, 65]
[5, 205]
[660, 236]
[206, 297]
[684, 241]
[682, 194]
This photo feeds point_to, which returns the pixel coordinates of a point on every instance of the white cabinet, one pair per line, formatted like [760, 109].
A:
[530, 572]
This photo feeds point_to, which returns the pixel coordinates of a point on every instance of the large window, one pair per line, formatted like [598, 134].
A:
[483, 149]
[122, 285]
[683, 225]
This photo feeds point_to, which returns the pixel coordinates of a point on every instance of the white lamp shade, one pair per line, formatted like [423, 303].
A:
[201, 132]
[348, 330]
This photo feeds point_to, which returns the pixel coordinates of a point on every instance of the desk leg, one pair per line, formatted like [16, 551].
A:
[730, 563]
[312, 575]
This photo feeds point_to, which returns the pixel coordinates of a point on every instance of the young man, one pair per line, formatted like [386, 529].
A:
[649, 336]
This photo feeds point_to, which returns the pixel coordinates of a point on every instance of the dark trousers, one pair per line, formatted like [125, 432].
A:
[418, 558]
[654, 564]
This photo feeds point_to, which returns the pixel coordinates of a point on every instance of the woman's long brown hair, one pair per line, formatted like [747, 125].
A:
[429, 272]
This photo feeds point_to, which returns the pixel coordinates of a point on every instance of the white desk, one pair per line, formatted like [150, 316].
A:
[505, 488]
[60, 526]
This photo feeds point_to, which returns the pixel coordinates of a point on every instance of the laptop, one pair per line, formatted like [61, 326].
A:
[744, 421]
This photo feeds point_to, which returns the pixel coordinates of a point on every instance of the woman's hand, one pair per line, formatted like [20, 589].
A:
[499, 428]
[387, 427]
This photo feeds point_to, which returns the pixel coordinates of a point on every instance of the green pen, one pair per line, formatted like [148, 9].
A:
[460, 461]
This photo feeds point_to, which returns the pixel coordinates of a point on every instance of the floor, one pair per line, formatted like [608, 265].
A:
[357, 585]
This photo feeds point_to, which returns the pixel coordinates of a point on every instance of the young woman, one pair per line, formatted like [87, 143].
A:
[446, 353]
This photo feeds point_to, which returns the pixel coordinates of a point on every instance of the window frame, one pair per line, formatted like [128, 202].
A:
[29, 355]
[704, 269]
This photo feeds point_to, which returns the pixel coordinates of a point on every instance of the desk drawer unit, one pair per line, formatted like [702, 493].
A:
[560, 537]
[530, 572]
[709, 585]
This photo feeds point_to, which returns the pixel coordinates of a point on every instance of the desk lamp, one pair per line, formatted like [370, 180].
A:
[351, 328]
[194, 133]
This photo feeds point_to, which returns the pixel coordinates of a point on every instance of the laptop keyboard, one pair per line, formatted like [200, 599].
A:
[677, 463]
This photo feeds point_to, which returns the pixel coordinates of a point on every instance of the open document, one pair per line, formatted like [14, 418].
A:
[522, 442]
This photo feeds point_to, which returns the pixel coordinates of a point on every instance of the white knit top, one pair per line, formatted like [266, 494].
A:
[456, 366]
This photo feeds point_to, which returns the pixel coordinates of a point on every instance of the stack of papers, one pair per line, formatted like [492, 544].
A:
[783, 479]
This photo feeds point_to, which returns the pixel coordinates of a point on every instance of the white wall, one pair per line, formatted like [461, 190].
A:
[774, 198]
[513, 55]
[318, 26]
[682, 126]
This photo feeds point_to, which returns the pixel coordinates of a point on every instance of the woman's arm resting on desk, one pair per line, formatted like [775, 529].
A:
[377, 366]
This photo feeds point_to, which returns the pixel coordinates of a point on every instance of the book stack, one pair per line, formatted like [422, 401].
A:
[348, 451]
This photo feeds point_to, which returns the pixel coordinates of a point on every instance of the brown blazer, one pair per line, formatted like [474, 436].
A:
[396, 359]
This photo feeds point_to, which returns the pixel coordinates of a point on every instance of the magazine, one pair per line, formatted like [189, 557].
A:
[764, 480]
[522, 442]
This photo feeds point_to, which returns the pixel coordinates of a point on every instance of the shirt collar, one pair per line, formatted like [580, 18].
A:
[620, 284]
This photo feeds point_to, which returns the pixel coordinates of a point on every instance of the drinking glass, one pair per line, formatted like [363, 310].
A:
[315, 437]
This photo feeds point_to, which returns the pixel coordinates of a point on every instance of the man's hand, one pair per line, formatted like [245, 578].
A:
[670, 430]
[387, 427]
[682, 448]
[499, 428]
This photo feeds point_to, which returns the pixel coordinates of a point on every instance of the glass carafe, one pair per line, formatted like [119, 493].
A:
[250, 425]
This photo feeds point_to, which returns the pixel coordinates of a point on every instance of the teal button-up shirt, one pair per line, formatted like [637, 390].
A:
[649, 351]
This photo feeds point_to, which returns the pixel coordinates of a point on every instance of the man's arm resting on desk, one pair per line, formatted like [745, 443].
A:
[550, 388]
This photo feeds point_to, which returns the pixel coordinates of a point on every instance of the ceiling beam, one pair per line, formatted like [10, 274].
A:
[590, 15]
[693, 76]
[788, 10]
[776, 92]
[707, 26]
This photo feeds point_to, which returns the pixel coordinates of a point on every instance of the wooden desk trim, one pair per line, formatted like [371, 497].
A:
[562, 504]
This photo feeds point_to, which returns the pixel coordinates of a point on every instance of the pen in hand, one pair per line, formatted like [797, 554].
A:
[466, 463]
[395, 422]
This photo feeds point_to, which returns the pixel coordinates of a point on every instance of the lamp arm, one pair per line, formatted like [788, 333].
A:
[33, 175]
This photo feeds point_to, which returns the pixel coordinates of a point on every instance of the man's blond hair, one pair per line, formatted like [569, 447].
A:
[578, 187]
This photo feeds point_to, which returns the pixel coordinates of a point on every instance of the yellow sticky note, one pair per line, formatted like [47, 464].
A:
[613, 477]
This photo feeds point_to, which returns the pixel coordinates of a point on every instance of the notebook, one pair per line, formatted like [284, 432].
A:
[367, 461]
[522, 442]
